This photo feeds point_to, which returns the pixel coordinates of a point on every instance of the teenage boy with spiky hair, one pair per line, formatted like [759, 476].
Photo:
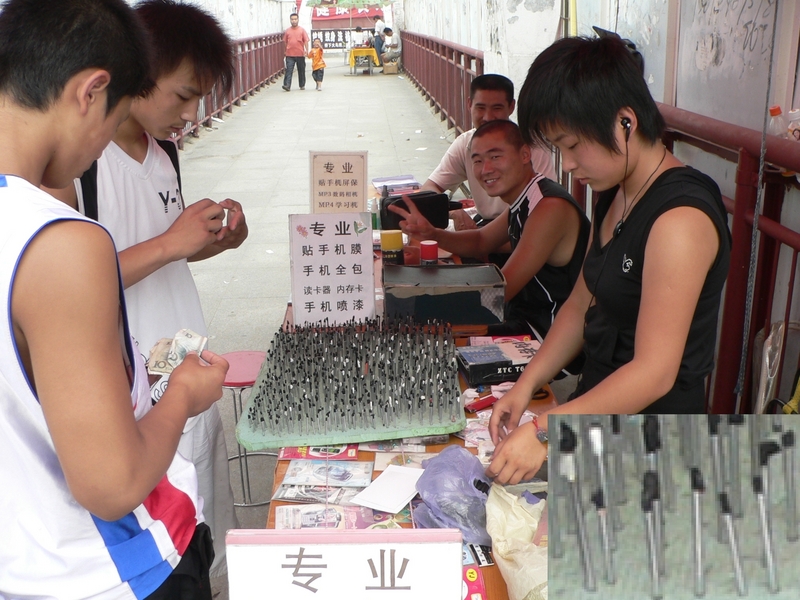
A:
[136, 187]
[96, 502]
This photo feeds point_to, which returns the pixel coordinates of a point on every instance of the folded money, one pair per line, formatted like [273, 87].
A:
[169, 353]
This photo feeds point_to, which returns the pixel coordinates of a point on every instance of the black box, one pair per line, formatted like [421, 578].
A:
[455, 294]
[495, 363]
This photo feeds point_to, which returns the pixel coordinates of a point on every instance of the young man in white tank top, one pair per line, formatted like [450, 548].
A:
[94, 464]
[139, 200]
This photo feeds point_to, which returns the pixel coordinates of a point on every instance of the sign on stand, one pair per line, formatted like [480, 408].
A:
[412, 564]
[332, 267]
[338, 182]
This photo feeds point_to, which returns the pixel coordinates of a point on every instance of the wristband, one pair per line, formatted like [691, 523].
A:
[541, 434]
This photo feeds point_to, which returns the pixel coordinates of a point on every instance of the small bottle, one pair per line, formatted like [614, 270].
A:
[428, 253]
[392, 246]
[777, 123]
[375, 211]
[794, 125]
[779, 128]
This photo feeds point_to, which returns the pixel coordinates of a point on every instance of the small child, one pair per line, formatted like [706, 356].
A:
[317, 64]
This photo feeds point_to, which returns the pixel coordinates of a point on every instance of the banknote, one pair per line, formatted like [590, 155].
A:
[169, 353]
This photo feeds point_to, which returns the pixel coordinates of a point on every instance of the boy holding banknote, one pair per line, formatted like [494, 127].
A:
[136, 187]
[96, 503]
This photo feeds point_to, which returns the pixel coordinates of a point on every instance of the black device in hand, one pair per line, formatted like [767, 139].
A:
[433, 206]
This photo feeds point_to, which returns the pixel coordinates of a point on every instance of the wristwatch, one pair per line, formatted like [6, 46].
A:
[541, 434]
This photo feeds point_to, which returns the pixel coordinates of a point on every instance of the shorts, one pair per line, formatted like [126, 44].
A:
[318, 75]
[190, 579]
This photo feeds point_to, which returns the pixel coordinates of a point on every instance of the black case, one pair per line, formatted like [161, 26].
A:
[434, 206]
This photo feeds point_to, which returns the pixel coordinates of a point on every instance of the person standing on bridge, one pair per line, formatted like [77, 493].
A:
[317, 63]
[296, 40]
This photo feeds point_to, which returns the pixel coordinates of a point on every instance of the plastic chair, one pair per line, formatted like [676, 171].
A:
[242, 374]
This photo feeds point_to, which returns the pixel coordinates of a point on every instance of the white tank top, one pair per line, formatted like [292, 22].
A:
[166, 301]
[50, 546]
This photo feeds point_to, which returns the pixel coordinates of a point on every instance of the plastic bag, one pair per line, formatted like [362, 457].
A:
[512, 522]
[450, 496]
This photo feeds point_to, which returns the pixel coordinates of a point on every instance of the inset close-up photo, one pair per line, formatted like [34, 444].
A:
[673, 507]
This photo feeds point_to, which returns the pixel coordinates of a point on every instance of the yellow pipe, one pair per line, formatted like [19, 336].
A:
[573, 18]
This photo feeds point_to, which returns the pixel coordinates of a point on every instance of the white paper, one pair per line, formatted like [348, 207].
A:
[391, 491]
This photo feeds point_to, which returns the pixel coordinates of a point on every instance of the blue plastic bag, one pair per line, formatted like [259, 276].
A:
[451, 498]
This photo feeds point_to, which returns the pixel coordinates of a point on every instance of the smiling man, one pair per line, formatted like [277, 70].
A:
[547, 230]
[491, 97]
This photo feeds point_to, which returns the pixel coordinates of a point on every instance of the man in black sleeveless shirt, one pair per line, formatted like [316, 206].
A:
[547, 230]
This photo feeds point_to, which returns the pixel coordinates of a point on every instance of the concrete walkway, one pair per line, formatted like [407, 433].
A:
[259, 156]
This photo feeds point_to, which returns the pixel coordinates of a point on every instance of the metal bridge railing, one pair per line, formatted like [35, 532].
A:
[259, 61]
[443, 72]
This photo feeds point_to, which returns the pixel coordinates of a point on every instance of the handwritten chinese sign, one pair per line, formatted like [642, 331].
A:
[338, 182]
[359, 564]
[332, 267]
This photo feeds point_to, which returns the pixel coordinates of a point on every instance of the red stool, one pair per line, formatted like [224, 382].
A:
[242, 375]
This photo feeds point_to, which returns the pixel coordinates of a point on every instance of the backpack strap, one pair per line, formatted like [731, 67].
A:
[89, 179]
[171, 149]
[89, 190]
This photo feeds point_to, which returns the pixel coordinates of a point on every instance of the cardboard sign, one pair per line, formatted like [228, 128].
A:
[332, 267]
[338, 182]
[418, 564]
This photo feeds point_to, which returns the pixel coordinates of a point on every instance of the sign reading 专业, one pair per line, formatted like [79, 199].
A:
[338, 182]
[418, 564]
[332, 267]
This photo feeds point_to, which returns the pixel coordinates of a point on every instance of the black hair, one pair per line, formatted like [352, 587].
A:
[510, 130]
[580, 85]
[358, 29]
[387, 30]
[43, 44]
[184, 31]
[492, 82]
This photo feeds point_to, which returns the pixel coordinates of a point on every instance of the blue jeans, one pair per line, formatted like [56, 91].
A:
[291, 61]
[379, 47]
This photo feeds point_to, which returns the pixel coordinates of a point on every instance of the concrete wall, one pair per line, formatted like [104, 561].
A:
[244, 18]
[510, 32]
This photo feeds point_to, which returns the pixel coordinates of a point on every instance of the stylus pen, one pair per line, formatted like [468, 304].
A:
[735, 423]
[554, 511]
[568, 444]
[598, 447]
[651, 488]
[697, 532]
[755, 440]
[725, 511]
[652, 543]
[619, 473]
[767, 450]
[602, 519]
[665, 464]
[788, 475]
[766, 536]
[716, 467]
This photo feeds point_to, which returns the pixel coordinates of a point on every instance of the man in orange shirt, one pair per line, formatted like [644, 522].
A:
[296, 40]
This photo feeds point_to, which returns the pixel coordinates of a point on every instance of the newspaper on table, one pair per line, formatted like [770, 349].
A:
[169, 353]
[316, 516]
[333, 473]
[315, 494]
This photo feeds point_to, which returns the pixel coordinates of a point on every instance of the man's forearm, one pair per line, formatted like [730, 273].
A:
[467, 243]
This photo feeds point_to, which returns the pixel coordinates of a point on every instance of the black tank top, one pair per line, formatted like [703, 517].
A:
[613, 274]
[538, 302]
